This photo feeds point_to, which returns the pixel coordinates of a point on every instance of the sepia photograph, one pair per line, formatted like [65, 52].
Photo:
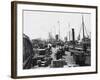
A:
[53, 39]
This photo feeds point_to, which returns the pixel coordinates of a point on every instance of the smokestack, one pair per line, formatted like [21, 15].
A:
[73, 35]
[57, 37]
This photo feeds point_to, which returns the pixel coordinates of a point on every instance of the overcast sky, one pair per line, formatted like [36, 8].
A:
[37, 24]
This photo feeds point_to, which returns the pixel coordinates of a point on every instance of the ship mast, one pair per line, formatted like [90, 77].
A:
[59, 29]
[69, 31]
[83, 27]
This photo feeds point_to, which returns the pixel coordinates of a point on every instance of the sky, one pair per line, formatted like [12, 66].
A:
[37, 24]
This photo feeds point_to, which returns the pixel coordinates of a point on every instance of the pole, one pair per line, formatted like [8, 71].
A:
[69, 35]
[83, 27]
[59, 29]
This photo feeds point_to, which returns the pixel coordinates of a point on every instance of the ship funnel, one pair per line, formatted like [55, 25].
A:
[73, 35]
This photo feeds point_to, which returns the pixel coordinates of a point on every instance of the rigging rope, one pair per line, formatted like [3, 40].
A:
[79, 32]
[86, 31]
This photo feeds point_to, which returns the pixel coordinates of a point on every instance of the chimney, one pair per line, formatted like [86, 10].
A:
[73, 35]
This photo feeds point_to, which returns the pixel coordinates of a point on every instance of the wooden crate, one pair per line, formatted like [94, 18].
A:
[58, 63]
